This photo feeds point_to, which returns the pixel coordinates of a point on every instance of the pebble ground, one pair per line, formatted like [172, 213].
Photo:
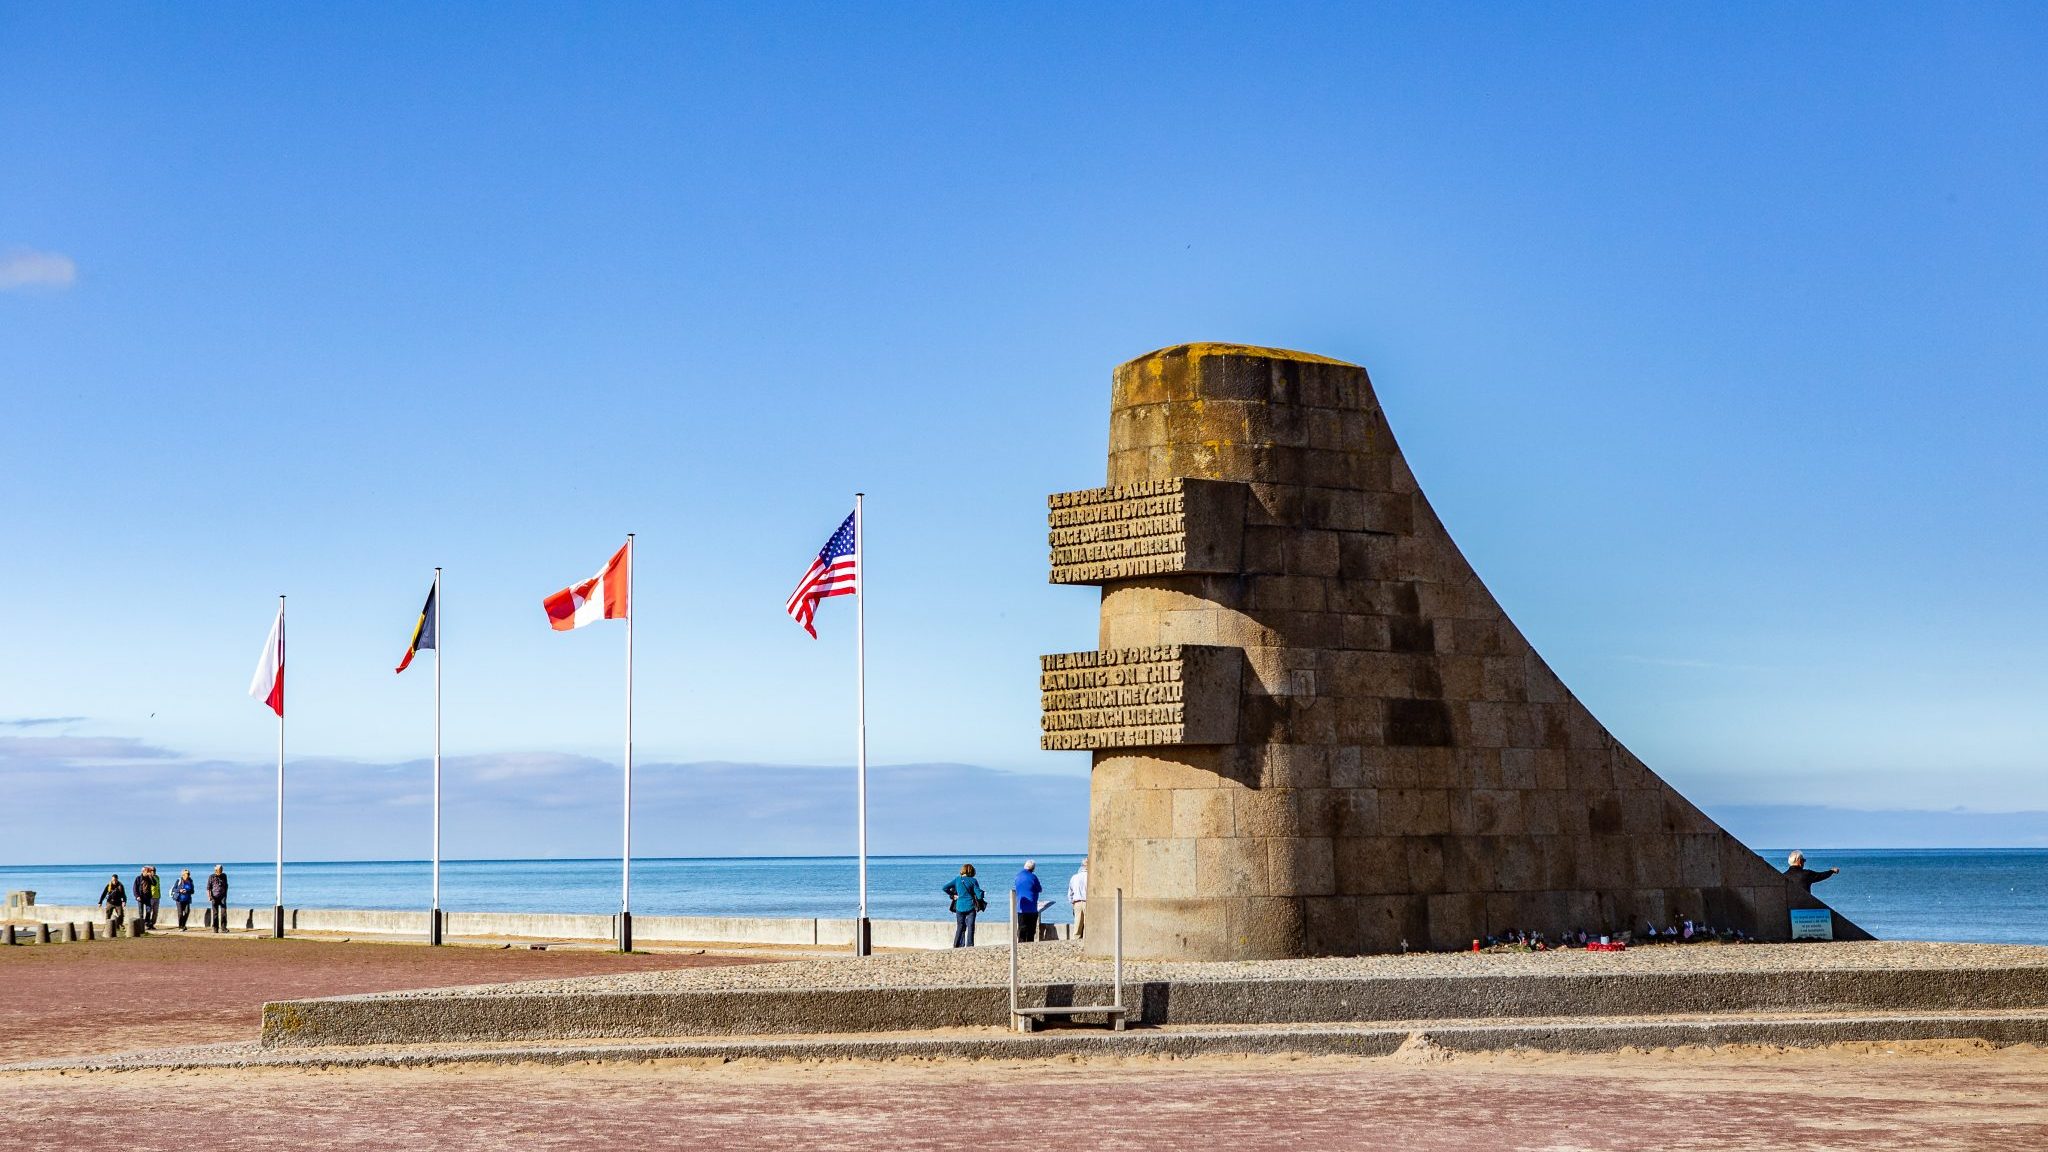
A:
[1062, 962]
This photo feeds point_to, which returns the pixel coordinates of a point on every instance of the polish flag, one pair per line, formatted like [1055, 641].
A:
[602, 597]
[268, 686]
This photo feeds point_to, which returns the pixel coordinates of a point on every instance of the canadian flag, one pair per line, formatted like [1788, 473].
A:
[268, 686]
[602, 597]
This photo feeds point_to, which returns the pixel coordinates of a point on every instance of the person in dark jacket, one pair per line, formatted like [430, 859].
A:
[114, 898]
[967, 900]
[181, 895]
[1027, 887]
[140, 891]
[217, 899]
[1798, 873]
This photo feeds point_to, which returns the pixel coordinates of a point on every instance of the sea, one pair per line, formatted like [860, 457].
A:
[1988, 895]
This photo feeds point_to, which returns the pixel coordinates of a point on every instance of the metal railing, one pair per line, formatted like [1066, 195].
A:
[1027, 1019]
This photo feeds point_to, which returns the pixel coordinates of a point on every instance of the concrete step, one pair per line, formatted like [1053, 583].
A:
[1374, 1038]
[499, 1015]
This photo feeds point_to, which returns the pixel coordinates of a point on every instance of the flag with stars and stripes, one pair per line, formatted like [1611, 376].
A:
[836, 572]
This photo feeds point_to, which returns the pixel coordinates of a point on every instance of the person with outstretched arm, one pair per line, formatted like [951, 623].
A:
[1798, 873]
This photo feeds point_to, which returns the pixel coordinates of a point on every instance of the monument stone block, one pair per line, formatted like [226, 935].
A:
[1140, 697]
[1314, 730]
[1173, 526]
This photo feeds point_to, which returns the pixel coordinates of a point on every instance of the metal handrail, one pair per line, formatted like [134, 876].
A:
[1026, 1019]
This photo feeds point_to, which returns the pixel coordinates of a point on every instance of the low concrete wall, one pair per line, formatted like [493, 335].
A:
[539, 925]
[407, 1019]
[167, 915]
[60, 913]
[353, 920]
[769, 930]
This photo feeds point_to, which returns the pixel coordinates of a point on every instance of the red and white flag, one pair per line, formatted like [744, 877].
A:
[835, 572]
[602, 597]
[268, 685]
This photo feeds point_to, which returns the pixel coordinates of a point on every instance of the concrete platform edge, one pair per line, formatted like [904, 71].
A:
[1353, 1040]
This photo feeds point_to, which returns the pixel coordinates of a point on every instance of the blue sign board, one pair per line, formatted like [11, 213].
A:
[1813, 924]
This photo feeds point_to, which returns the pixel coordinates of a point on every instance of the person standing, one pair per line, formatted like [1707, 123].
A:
[181, 895]
[1798, 873]
[217, 899]
[114, 902]
[140, 890]
[1077, 895]
[1027, 887]
[967, 900]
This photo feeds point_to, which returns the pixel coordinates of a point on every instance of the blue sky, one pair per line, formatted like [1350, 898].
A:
[1716, 337]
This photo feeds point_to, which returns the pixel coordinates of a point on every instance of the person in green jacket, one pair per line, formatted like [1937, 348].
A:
[967, 900]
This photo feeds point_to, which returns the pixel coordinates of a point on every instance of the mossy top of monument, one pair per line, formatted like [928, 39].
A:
[1211, 370]
[1203, 349]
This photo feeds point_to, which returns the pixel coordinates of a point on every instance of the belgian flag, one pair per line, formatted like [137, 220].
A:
[423, 632]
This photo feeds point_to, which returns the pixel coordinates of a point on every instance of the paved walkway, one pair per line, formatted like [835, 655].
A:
[195, 988]
[1935, 1096]
[114, 995]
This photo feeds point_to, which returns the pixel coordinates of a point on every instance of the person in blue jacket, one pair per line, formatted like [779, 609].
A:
[967, 900]
[181, 894]
[1027, 888]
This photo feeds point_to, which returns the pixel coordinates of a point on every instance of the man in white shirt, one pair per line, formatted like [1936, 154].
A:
[1077, 895]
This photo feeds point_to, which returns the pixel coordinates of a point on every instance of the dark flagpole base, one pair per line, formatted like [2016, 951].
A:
[434, 927]
[625, 931]
[863, 937]
[277, 921]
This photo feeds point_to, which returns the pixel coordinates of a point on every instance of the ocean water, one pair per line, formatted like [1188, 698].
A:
[899, 887]
[1982, 895]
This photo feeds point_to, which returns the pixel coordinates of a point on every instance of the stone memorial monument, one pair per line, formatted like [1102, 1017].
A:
[1314, 730]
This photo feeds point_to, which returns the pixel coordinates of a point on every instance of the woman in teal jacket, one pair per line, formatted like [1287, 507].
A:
[967, 900]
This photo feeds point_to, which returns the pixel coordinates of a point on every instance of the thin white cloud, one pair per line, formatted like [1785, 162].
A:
[39, 721]
[60, 753]
[22, 268]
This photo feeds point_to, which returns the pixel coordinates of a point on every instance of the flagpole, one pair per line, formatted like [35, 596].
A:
[277, 909]
[861, 942]
[626, 854]
[434, 919]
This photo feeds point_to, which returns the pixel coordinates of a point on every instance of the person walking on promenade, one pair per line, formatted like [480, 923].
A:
[140, 891]
[1027, 887]
[114, 899]
[1798, 873]
[967, 900]
[217, 899]
[1077, 895]
[181, 894]
[156, 894]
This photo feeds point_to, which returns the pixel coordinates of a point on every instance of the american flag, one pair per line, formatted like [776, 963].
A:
[836, 572]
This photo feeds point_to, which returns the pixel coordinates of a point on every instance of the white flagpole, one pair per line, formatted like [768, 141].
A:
[626, 854]
[434, 925]
[861, 945]
[277, 909]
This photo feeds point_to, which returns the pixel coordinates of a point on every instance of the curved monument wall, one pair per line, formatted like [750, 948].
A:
[1314, 730]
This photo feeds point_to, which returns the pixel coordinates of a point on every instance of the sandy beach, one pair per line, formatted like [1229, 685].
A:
[168, 991]
[1925, 1096]
[191, 988]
